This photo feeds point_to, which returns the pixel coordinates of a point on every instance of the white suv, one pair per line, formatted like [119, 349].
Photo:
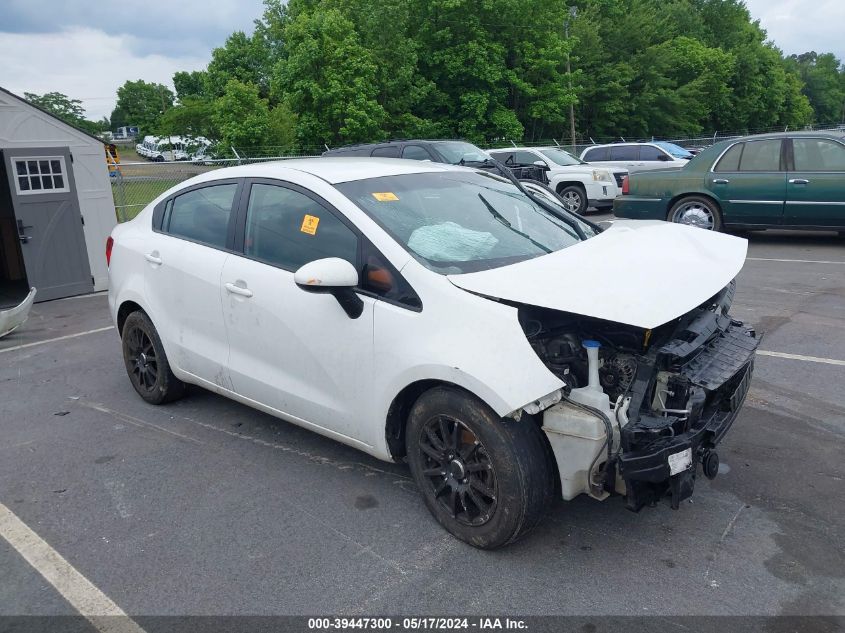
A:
[507, 350]
[638, 156]
[579, 184]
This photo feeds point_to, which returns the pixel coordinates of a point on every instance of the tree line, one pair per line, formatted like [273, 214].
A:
[331, 72]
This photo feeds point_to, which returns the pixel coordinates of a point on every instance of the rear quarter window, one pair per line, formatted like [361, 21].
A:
[596, 154]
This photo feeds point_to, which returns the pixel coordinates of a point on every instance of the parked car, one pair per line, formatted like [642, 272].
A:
[790, 180]
[165, 148]
[636, 157]
[506, 349]
[579, 184]
[449, 152]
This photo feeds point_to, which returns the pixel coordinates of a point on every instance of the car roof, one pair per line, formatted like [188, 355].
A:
[333, 169]
[626, 143]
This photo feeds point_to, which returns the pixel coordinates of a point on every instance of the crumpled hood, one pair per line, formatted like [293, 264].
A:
[640, 273]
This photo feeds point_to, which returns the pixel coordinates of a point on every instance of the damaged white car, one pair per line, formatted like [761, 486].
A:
[509, 351]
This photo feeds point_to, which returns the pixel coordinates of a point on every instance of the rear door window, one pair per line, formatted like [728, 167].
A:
[391, 151]
[415, 152]
[202, 215]
[625, 152]
[761, 156]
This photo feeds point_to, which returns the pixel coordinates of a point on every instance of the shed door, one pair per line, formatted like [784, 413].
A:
[49, 221]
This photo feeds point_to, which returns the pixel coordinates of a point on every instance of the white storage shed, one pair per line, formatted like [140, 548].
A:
[56, 205]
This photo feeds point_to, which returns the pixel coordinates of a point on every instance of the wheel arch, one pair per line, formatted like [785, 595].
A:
[563, 184]
[401, 405]
[126, 308]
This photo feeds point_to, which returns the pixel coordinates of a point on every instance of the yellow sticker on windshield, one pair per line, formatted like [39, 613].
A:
[385, 196]
[309, 224]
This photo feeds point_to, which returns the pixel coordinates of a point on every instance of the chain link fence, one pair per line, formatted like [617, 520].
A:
[136, 184]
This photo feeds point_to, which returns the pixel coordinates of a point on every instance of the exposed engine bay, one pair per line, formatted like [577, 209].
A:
[641, 408]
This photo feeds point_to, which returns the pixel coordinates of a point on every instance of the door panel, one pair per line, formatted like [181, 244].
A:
[292, 350]
[184, 263]
[815, 194]
[182, 283]
[750, 183]
[296, 351]
[49, 221]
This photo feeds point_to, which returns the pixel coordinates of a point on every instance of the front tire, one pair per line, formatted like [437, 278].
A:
[146, 363]
[696, 211]
[574, 199]
[487, 480]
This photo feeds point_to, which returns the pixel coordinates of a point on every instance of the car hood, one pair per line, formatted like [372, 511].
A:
[639, 273]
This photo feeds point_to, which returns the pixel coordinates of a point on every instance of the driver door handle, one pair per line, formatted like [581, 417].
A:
[238, 290]
[721, 181]
[153, 258]
[799, 181]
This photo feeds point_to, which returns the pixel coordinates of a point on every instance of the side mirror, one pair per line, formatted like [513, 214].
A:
[605, 224]
[333, 276]
[664, 158]
[540, 163]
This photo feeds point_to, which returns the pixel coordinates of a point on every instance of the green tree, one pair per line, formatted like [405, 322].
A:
[824, 84]
[142, 104]
[329, 79]
[243, 58]
[58, 104]
[190, 84]
[191, 117]
[68, 110]
[241, 117]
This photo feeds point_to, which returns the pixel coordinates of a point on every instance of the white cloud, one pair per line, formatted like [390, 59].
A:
[798, 26]
[85, 64]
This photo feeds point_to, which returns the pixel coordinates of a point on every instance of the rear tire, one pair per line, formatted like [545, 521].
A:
[146, 362]
[696, 211]
[574, 199]
[487, 480]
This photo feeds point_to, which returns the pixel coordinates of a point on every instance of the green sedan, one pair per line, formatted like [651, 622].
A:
[792, 180]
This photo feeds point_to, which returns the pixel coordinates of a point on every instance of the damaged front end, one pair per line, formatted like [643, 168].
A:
[642, 408]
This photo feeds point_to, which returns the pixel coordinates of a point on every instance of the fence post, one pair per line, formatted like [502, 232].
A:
[121, 196]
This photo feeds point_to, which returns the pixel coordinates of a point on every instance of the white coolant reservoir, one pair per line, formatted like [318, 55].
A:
[578, 436]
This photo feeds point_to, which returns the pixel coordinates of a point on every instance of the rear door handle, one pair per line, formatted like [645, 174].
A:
[153, 258]
[238, 290]
[721, 181]
[799, 181]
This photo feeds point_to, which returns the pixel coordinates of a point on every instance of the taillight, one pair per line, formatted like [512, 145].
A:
[109, 245]
[626, 187]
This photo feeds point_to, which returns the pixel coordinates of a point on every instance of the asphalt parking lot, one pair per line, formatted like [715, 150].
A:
[208, 507]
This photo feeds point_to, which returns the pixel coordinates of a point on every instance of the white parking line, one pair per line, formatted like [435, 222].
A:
[793, 261]
[89, 601]
[58, 338]
[806, 359]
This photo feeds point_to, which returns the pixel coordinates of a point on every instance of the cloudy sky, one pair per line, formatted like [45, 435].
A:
[87, 48]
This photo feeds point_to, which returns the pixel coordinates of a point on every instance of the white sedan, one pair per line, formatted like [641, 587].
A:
[507, 350]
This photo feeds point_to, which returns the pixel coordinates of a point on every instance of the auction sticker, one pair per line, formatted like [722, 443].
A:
[679, 462]
[309, 224]
[385, 196]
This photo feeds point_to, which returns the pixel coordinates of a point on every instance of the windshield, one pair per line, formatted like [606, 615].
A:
[675, 150]
[560, 157]
[453, 152]
[462, 221]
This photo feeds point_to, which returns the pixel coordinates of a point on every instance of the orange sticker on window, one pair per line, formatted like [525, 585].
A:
[309, 224]
[385, 196]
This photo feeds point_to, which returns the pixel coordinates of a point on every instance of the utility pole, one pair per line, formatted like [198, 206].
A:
[573, 13]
